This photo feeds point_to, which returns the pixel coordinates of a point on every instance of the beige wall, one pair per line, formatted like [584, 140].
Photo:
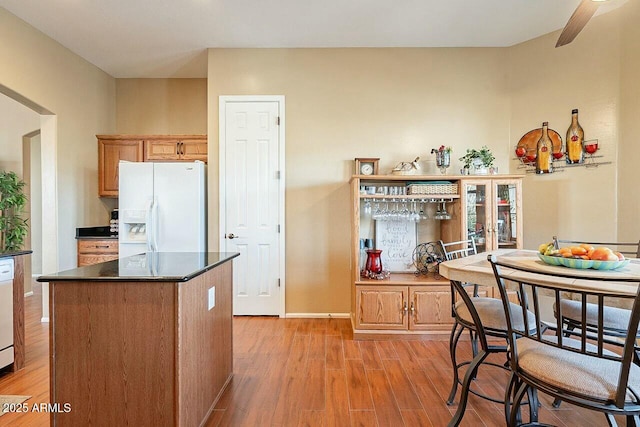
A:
[344, 103]
[629, 153]
[395, 104]
[399, 103]
[597, 73]
[16, 120]
[82, 98]
[161, 106]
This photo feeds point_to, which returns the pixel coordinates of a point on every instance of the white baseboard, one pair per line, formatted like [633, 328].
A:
[44, 320]
[317, 315]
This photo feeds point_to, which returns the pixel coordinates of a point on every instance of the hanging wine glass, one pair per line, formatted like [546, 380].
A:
[590, 147]
[441, 212]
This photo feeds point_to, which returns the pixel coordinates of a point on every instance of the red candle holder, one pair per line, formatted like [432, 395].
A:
[374, 262]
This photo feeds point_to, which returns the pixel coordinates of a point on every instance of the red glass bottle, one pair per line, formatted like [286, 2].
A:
[374, 263]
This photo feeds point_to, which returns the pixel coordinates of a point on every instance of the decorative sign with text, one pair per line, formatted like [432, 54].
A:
[396, 239]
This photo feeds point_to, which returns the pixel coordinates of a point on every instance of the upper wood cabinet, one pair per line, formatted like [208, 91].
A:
[183, 148]
[112, 149]
[143, 148]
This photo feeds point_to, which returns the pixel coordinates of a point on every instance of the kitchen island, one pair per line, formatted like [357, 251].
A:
[142, 340]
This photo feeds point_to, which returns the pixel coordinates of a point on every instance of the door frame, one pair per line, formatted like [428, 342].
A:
[222, 117]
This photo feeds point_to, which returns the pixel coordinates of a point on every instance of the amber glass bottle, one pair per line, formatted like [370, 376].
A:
[544, 151]
[575, 140]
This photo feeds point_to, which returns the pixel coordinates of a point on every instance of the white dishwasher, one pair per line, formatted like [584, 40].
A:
[6, 312]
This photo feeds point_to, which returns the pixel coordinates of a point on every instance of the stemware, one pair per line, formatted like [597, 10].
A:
[590, 147]
[441, 212]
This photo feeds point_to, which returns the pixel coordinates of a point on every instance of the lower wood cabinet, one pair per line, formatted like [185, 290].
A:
[415, 308]
[93, 251]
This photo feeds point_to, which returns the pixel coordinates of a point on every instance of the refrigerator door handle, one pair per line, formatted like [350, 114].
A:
[149, 225]
[154, 225]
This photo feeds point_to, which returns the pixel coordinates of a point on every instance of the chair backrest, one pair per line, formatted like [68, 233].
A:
[557, 284]
[456, 250]
[629, 250]
[459, 249]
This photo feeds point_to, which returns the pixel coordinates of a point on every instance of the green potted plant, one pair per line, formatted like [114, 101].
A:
[480, 159]
[13, 228]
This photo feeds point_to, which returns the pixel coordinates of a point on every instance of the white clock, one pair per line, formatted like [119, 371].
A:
[366, 166]
[366, 169]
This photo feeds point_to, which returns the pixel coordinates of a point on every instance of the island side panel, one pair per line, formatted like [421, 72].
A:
[113, 353]
[205, 355]
[18, 313]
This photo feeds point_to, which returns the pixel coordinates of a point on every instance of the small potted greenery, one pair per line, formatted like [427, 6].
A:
[13, 228]
[480, 159]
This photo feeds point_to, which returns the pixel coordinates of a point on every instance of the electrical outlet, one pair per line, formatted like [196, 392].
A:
[212, 297]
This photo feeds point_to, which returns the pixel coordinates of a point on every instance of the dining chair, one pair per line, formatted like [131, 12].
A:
[615, 318]
[583, 369]
[484, 318]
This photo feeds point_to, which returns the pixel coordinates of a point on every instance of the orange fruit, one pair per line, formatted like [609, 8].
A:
[587, 246]
[564, 250]
[620, 256]
[578, 250]
[604, 254]
[567, 254]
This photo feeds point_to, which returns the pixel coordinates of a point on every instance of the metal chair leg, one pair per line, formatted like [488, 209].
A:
[515, 416]
[532, 395]
[464, 395]
[453, 343]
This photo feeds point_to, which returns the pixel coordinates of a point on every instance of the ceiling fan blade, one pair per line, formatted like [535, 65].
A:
[578, 20]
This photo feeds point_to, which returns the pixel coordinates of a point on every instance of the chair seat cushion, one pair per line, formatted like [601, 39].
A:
[491, 313]
[613, 317]
[584, 375]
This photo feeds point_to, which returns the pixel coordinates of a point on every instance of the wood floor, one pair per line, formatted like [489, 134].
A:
[310, 372]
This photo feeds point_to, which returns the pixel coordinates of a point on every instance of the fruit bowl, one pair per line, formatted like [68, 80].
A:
[582, 263]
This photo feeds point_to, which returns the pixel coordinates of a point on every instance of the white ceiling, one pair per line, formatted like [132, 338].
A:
[169, 38]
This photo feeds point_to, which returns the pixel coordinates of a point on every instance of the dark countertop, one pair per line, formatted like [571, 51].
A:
[99, 232]
[15, 253]
[149, 267]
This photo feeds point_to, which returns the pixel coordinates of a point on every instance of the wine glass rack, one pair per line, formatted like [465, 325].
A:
[559, 165]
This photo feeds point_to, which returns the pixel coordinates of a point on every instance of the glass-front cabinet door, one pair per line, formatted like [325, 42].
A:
[477, 217]
[507, 217]
[493, 214]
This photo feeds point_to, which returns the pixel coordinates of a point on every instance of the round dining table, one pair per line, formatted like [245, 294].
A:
[477, 269]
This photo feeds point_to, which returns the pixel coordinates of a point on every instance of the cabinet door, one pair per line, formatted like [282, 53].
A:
[193, 149]
[381, 307]
[430, 308]
[507, 214]
[110, 152]
[160, 150]
[476, 218]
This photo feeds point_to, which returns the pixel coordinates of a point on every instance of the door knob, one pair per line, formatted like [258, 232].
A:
[231, 236]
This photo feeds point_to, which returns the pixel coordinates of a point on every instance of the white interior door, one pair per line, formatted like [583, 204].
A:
[252, 200]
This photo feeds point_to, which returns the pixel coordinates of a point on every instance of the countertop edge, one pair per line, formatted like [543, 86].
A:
[183, 278]
[15, 253]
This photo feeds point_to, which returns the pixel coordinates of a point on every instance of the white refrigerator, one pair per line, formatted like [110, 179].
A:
[162, 207]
